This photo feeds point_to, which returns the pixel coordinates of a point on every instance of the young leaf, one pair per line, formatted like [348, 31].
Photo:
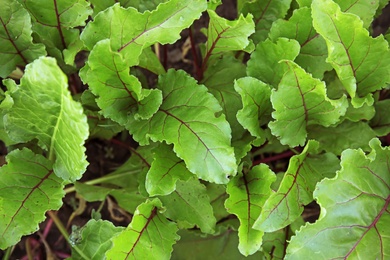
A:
[17, 48]
[165, 171]
[95, 239]
[247, 193]
[296, 188]
[354, 210]
[28, 188]
[257, 107]
[301, 101]
[361, 62]
[55, 22]
[187, 118]
[119, 93]
[149, 235]
[313, 47]
[43, 109]
[224, 36]
[265, 13]
[190, 203]
[264, 63]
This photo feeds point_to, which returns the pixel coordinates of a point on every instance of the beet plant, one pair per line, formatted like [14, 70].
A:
[284, 107]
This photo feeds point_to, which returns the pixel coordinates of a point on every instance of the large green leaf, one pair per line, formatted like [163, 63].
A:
[361, 62]
[264, 63]
[247, 193]
[28, 188]
[148, 236]
[313, 47]
[265, 13]
[43, 109]
[301, 101]
[16, 46]
[187, 118]
[304, 171]
[55, 21]
[354, 220]
[190, 203]
[257, 108]
[95, 239]
[130, 31]
[224, 35]
[165, 171]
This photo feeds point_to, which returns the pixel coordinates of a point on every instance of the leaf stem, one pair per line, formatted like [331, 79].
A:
[286, 154]
[195, 55]
[8, 253]
[64, 233]
[101, 180]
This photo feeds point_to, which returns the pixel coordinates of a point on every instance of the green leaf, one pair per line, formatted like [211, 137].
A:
[219, 79]
[301, 101]
[95, 239]
[313, 47]
[265, 13]
[165, 171]
[264, 63]
[248, 192]
[354, 210]
[130, 31]
[224, 35]
[55, 21]
[190, 203]
[223, 245]
[257, 108]
[381, 121]
[361, 62]
[296, 188]
[217, 194]
[187, 119]
[149, 235]
[28, 188]
[119, 93]
[17, 48]
[43, 109]
[336, 139]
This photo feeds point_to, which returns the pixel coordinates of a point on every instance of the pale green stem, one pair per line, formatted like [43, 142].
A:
[64, 233]
[8, 253]
[101, 180]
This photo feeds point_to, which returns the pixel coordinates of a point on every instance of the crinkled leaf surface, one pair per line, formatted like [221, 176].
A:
[149, 235]
[95, 239]
[257, 107]
[224, 35]
[55, 22]
[264, 63]
[265, 13]
[130, 31]
[247, 193]
[355, 217]
[296, 188]
[361, 62]
[190, 203]
[165, 171]
[313, 54]
[16, 46]
[44, 109]
[28, 188]
[187, 119]
[301, 101]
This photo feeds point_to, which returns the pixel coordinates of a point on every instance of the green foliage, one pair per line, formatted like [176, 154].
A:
[227, 156]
